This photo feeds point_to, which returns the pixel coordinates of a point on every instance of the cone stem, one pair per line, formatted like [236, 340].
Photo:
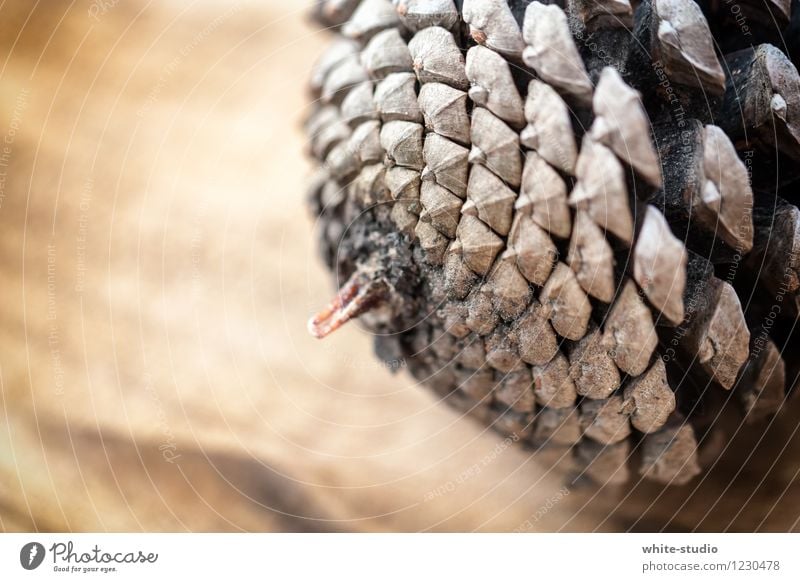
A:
[359, 294]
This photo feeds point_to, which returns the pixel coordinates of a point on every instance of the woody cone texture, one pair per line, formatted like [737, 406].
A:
[574, 221]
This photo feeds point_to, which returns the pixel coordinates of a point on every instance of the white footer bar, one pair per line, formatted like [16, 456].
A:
[390, 557]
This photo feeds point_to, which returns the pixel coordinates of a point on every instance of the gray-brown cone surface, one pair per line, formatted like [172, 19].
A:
[575, 221]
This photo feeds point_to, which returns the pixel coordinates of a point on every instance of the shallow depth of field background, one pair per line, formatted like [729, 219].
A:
[158, 268]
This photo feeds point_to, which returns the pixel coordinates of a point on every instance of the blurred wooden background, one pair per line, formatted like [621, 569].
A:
[157, 273]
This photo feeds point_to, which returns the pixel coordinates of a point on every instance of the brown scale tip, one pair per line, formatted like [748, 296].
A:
[477, 35]
[362, 292]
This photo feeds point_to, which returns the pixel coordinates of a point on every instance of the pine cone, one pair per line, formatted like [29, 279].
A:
[573, 221]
